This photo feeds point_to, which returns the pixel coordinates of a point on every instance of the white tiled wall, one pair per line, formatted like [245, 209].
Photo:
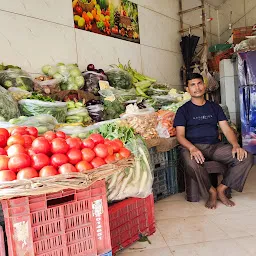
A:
[38, 32]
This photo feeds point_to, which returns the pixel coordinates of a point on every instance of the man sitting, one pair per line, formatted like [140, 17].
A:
[197, 132]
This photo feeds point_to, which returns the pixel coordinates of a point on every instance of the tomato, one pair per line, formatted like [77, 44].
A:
[41, 145]
[74, 143]
[114, 145]
[19, 130]
[59, 146]
[74, 155]
[28, 140]
[88, 154]
[83, 166]
[50, 135]
[101, 150]
[58, 159]
[15, 139]
[110, 159]
[88, 143]
[3, 140]
[32, 131]
[97, 162]
[18, 162]
[97, 138]
[119, 142]
[39, 161]
[118, 156]
[27, 173]
[3, 152]
[110, 150]
[4, 162]
[31, 152]
[4, 132]
[124, 152]
[48, 171]
[7, 175]
[15, 149]
[61, 135]
[67, 168]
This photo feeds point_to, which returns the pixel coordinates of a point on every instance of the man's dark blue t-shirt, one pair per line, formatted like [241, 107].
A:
[200, 122]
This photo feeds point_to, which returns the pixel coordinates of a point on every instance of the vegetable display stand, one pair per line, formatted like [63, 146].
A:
[131, 219]
[67, 223]
[165, 173]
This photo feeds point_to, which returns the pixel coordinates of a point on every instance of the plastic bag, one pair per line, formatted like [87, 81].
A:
[18, 94]
[143, 121]
[16, 78]
[8, 106]
[158, 89]
[119, 78]
[36, 107]
[47, 87]
[211, 83]
[96, 112]
[78, 115]
[136, 181]
[165, 120]
[43, 123]
[92, 81]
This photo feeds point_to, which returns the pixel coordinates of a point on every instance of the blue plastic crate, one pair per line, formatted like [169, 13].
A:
[172, 156]
[161, 184]
[158, 160]
[172, 180]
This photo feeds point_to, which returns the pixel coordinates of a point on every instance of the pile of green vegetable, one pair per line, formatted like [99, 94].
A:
[77, 113]
[69, 75]
[140, 82]
[15, 77]
[113, 109]
[8, 106]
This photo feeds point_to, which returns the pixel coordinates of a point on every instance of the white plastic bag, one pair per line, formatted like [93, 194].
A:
[135, 181]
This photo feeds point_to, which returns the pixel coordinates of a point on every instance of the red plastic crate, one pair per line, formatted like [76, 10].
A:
[129, 219]
[239, 34]
[66, 223]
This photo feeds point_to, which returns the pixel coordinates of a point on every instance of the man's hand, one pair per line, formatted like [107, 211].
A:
[239, 152]
[197, 154]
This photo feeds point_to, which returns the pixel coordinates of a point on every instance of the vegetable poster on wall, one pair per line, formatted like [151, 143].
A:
[115, 18]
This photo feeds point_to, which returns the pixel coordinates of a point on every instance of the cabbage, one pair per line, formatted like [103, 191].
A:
[75, 72]
[58, 76]
[46, 69]
[79, 80]
[52, 71]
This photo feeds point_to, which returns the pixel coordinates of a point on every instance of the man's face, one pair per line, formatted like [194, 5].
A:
[196, 88]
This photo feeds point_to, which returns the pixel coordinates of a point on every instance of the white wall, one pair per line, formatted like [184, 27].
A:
[243, 14]
[38, 32]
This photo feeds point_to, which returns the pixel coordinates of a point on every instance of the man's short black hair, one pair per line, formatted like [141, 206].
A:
[191, 76]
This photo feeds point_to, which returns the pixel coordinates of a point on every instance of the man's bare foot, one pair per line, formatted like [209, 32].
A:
[212, 200]
[222, 196]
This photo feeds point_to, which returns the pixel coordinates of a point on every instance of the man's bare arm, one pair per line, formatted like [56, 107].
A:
[232, 139]
[194, 151]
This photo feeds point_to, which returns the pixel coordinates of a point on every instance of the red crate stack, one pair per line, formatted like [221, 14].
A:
[129, 220]
[66, 223]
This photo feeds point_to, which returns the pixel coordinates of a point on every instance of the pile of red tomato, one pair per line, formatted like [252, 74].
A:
[25, 155]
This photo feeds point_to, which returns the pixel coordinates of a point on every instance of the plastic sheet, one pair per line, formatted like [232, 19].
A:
[36, 107]
[135, 181]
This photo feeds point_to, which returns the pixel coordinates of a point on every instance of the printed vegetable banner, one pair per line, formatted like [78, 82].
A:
[115, 18]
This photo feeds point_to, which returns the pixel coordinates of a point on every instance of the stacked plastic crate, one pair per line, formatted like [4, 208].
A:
[130, 220]
[164, 166]
[66, 223]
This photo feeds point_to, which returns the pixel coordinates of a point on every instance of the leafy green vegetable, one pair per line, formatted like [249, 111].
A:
[37, 96]
[119, 79]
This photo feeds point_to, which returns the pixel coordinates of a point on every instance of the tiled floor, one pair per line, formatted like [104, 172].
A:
[189, 229]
